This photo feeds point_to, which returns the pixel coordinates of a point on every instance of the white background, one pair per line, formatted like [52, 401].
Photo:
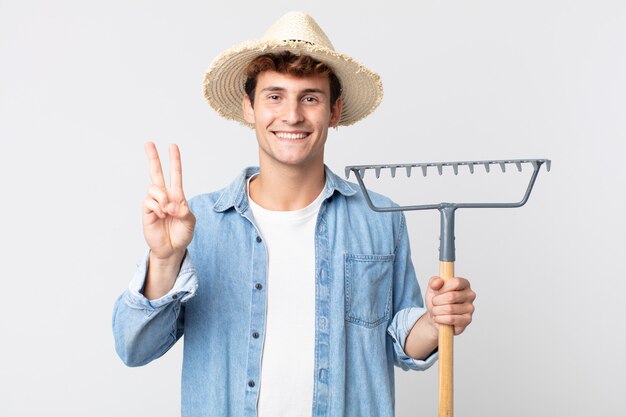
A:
[84, 84]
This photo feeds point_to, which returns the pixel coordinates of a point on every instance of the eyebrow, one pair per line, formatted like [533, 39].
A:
[305, 91]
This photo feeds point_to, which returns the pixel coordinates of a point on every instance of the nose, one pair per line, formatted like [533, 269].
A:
[292, 112]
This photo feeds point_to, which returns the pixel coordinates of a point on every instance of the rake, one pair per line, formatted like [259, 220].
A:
[446, 245]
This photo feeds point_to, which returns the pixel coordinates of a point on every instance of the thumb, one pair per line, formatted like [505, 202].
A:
[184, 214]
[435, 283]
[179, 211]
[172, 209]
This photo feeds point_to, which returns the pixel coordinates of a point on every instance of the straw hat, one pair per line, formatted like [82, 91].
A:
[298, 33]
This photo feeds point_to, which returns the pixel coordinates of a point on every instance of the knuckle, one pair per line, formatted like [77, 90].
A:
[452, 297]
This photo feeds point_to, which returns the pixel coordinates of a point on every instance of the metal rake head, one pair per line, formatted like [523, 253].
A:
[447, 210]
[439, 165]
[360, 170]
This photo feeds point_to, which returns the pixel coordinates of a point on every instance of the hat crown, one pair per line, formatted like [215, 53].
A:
[297, 26]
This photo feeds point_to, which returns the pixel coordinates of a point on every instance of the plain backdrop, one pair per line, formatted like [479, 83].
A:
[84, 84]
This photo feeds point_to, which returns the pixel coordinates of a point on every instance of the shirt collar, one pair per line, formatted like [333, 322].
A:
[235, 195]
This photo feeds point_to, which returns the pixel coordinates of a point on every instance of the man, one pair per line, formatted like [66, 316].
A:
[295, 298]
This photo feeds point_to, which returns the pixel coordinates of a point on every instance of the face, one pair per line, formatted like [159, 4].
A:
[291, 116]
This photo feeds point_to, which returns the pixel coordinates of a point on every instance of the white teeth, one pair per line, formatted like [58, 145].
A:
[285, 135]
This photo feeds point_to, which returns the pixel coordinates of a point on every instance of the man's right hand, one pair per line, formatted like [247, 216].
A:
[168, 223]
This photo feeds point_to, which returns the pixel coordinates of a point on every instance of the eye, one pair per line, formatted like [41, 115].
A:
[273, 97]
[310, 99]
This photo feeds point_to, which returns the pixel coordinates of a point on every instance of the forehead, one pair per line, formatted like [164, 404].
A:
[292, 83]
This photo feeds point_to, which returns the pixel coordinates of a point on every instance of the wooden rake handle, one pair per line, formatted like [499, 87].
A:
[446, 334]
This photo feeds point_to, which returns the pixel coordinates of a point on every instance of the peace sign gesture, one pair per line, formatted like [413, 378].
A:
[168, 223]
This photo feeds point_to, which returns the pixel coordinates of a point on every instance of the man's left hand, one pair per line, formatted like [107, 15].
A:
[450, 302]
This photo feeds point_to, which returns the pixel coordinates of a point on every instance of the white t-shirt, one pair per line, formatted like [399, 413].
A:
[287, 366]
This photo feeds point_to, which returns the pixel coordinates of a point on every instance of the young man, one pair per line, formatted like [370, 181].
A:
[295, 298]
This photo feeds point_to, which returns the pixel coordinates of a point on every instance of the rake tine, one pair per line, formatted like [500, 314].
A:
[471, 167]
[534, 164]
[408, 171]
[503, 166]
[519, 166]
[348, 173]
[440, 168]
[455, 168]
[424, 170]
[486, 164]
[393, 172]
[377, 170]
[362, 173]
[548, 165]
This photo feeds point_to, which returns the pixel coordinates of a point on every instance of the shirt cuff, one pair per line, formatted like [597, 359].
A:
[399, 330]
[184, 287]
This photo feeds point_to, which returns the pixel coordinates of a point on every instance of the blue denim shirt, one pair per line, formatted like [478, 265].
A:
[366, 301]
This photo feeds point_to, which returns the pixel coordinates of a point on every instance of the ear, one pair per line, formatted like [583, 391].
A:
[248, 111]
[335, 112]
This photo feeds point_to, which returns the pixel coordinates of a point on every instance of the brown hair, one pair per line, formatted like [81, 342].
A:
[289, 63]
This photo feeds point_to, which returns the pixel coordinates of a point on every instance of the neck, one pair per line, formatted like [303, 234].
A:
[283, 188]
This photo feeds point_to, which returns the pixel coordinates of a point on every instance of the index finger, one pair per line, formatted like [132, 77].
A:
[456, 284]
[156, 172]
[176, 170]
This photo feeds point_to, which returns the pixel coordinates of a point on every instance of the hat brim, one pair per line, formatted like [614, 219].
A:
[362, 89]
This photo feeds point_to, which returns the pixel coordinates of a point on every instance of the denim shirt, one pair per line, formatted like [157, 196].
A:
[366, 301]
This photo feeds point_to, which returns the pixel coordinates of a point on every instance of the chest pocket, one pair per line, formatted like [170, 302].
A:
[368, 281]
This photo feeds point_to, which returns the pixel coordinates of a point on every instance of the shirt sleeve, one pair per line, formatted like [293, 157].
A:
[399, 330]
[145, 329]
[184, 287]
[408, 305]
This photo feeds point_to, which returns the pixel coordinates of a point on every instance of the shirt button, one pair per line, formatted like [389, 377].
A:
[258, 286]
[174, 296]
[258, 239]
[255, 335]
[323, 374]
[251, 384]
[322, 323]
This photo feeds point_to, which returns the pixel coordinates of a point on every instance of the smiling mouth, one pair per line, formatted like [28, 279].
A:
[291, 135]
